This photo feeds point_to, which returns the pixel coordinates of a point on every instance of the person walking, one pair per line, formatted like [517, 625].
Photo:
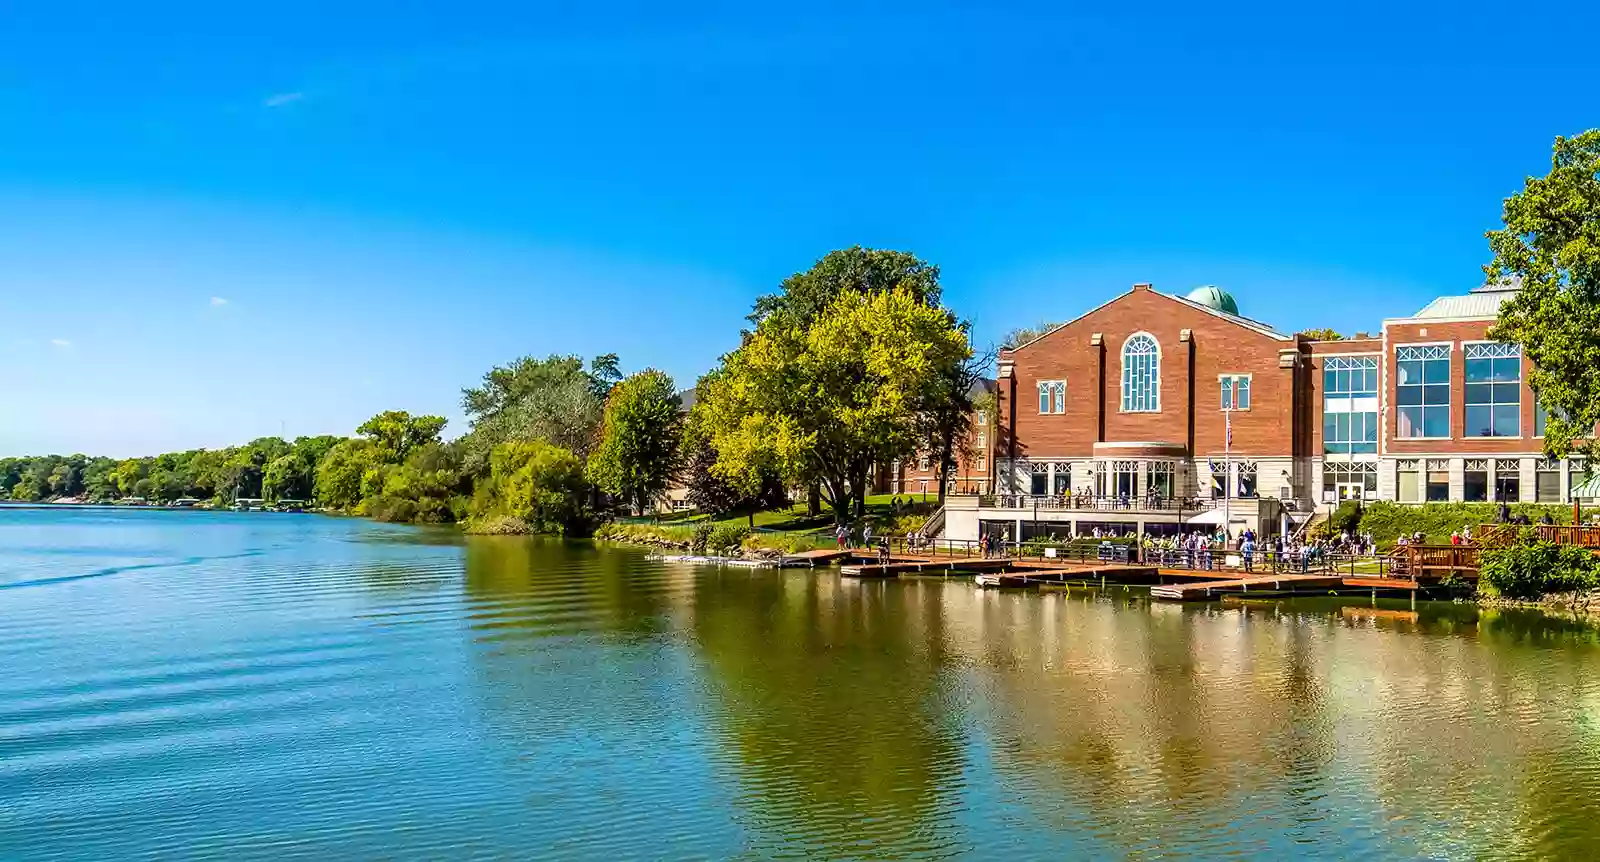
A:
[866, 535]
[1247, 548]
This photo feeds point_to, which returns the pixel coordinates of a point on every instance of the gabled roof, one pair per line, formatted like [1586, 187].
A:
[1253, 325]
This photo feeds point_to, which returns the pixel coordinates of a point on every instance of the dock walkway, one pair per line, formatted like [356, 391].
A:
[1264, 583]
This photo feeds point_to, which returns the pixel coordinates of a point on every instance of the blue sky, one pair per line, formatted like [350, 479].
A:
[219, 222]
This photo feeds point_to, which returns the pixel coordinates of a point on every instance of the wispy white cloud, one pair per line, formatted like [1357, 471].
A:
[278, 100]
[60, 342]
[217, 300]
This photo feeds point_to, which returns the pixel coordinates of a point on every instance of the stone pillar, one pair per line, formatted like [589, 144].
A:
[1528, 478]
[1458, 480]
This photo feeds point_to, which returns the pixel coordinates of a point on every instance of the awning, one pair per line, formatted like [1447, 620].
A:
[1210, 517]
[1589, 489]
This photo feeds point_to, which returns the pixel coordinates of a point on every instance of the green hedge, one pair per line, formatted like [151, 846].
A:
[1436, 521]
[1529, 568]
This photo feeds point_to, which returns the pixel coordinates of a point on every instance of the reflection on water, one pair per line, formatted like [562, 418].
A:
[256, 686]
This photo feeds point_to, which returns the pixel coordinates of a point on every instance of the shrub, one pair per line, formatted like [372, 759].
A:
[1346, 518]
[726, 538]
[1529, 568]
[1436, 521]
[497, 525]
[700, 539]
[644, 534]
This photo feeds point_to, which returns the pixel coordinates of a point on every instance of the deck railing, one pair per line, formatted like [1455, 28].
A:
[1500, 535]
[1093, 502]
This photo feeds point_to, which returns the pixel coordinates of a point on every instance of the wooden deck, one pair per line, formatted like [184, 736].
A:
[1037, 575]
[1202, 590]
[820, 557]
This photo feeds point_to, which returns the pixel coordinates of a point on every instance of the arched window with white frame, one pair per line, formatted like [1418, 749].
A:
[1141, 374]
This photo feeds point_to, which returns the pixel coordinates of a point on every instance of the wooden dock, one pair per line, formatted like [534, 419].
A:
[1269, 583]
[902, 566]
[821, 557]
[1035, 575]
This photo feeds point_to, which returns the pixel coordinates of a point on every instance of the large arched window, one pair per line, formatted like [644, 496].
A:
[1141, 374]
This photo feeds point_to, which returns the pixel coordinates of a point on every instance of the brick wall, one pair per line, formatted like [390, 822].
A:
[1190, 411]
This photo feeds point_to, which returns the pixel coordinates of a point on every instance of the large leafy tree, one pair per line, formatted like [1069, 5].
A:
[555, 399]
[708, 491]
[856, 270]
[822, 403]
[946, 417]
[640, 439]
[396, 432]
[1551, 244]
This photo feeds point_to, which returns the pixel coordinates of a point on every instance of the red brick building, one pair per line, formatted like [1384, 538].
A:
[1154, 411]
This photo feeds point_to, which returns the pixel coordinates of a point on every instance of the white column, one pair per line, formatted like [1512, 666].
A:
[1527, 479]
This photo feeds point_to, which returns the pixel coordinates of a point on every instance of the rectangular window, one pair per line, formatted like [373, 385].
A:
[1160, 478]
[1040, 485]
[1438, 487]
[1409, 474]
[1052, 396]
[1063, 479]
[1235, 391]
[1547, 481]
[982, 442]
[982, 419]
[1507, 481]
[983, 462]
[1475, 482]
[1247, 479]
[1422, 391]
[1350, 405]
[1494, 390]
[1219, 479]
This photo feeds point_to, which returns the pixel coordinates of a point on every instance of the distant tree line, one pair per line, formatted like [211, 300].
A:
[851, 364]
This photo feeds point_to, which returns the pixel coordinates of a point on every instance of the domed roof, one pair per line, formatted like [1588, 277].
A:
[1215, 298]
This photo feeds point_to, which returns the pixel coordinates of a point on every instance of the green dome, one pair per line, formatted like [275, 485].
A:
[1215, 298]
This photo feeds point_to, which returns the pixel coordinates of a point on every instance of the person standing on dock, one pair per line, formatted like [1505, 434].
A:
[1247, 548]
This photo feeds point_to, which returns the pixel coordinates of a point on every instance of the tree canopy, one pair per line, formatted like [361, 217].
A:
[1551, 245]
[555, 399]
[1322, 334]
[855, 270]
[825, 401]
[639, 442]
[1022, 335]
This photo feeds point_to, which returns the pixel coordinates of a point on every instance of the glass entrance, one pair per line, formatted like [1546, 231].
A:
[1350, 491]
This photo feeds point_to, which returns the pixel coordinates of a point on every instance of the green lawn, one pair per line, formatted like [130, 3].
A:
[790, 520]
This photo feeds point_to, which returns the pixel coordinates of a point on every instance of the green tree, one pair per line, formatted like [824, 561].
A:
[856, 270]
[1022, 335]
[719, 496]
[539, 483]
[395, 433]
[1551, 245]
[823, 403]
[341, 472]
[426, 489]
[555, 399]
[1322, 334]
[639, 440]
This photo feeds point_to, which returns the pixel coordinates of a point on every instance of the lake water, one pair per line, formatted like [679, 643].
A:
[190, 685]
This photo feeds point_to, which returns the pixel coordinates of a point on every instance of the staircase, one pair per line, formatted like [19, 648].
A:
[1318, 515]
[934, 526]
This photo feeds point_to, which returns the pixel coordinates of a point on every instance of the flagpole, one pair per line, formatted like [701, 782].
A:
[1227, 468]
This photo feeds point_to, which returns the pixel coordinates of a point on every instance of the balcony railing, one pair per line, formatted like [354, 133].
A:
[1102, 503]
